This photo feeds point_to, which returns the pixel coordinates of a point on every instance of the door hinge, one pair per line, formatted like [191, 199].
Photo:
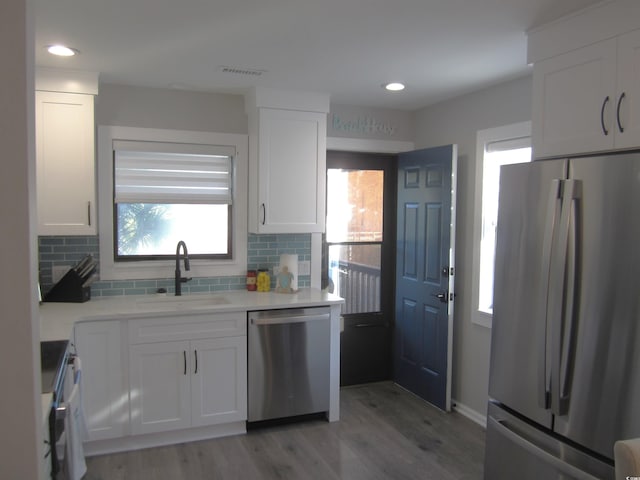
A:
[447, 271]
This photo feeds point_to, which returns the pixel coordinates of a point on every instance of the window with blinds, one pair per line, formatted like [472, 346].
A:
[167, 192]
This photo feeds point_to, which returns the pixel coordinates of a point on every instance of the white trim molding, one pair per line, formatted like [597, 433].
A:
[368, 146]
[69, 81]
[485, 137]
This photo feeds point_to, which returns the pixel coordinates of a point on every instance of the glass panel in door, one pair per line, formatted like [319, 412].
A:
[355, 273]
[354, 237]
[359, 259]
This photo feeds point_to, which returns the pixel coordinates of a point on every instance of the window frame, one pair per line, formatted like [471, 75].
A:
[484, 138]
[152, 269]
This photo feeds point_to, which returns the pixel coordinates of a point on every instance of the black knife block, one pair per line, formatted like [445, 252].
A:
[69, 289]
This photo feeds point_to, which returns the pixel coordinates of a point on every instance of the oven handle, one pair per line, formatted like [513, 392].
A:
[61, 409]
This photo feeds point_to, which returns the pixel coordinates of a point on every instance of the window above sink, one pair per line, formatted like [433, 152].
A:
[128, 195]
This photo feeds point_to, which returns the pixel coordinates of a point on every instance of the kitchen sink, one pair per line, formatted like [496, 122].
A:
[185, 302]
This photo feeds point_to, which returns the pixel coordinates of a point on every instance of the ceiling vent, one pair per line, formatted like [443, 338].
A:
[247, 72]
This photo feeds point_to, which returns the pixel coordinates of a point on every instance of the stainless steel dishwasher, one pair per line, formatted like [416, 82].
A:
[288, 362]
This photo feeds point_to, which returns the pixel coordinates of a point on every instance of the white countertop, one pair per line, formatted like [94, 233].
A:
[57, 319]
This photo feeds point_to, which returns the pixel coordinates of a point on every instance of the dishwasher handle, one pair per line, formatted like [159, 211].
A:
[288, 317]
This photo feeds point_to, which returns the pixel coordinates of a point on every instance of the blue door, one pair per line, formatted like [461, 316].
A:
[424, 273]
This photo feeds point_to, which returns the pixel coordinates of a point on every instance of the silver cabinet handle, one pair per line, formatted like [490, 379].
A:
[196, 357]
[89, 212]
[264, 214]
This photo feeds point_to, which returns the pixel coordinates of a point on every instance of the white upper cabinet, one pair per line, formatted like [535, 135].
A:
[65, 152]
[586, 81]
[628, 105]
[287, 162]
[573, 101]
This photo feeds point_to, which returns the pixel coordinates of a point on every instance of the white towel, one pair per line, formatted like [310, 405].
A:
[74, 462]
[69, 446]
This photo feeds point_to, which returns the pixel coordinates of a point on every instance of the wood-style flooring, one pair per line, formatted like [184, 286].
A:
[384, 432]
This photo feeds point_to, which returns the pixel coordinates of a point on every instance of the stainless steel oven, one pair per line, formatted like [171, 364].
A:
[289, 353]
[54, 358]
[60, 377]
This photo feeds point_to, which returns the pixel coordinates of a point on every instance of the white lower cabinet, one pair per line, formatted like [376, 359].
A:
[159, 383]
[181, 384]
[187, 372]
[184, 378]
[219, 385]
[104, 391]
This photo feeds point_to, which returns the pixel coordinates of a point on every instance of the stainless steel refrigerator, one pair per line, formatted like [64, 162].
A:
[565, 348]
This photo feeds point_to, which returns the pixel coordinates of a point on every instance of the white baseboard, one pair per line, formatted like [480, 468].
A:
[470, 413]
[137, 442]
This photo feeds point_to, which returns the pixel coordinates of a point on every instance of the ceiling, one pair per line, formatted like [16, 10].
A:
[347, 48]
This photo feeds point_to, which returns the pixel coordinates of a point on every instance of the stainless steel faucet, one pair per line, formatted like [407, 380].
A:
[179, 278]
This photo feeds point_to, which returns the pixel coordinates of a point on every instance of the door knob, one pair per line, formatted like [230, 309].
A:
[442, 296]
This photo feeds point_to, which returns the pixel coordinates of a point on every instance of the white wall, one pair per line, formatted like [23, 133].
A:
[457, 121]
[20, 447]
[164, 108]
[347, 121]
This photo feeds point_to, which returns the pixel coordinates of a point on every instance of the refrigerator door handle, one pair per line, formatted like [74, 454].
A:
[569, 229]
[561, 299]
[554, 207]
[572, 472]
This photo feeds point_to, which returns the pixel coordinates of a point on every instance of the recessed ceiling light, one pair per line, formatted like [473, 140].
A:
[61, 50]
[394, 86]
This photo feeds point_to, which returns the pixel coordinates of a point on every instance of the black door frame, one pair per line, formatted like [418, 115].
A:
[367, 330]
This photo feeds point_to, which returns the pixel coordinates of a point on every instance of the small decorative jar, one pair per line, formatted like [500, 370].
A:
[251, 280]
[263, 280]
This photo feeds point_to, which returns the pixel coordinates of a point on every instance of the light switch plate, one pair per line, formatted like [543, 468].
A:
[304, 267]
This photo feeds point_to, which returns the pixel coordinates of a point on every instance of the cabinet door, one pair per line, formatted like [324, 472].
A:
[291, 171]
[219, 380]
[574, 101]
[104, 394]
[65, 164]
[628, 100]
[159, 375]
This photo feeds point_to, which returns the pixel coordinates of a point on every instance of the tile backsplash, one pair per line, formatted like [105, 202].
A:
[263, 251]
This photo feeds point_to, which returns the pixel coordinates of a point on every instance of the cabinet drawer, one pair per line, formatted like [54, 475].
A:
[148, 330]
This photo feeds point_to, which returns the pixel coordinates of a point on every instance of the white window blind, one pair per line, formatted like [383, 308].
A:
[155, 172]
